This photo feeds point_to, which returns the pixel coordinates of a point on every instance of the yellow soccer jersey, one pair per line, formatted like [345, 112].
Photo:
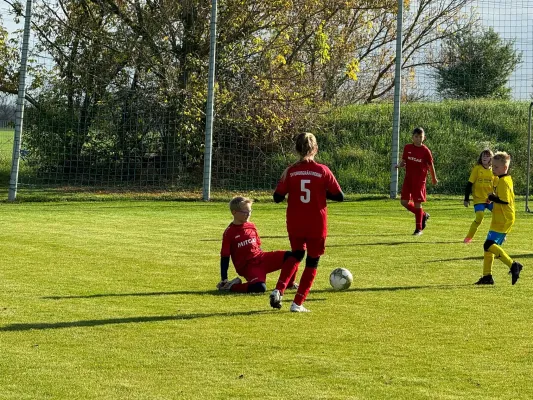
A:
[503, 215]
[483, 183]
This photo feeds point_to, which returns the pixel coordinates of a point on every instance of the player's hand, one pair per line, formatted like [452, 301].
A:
[434, 181]
[221, 284]
[466, 203]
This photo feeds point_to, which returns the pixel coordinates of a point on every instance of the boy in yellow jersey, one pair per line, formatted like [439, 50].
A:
[481, 183]
[503, 217]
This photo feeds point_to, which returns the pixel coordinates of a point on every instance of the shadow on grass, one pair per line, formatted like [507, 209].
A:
[392, 288]
[390, 243]
[129, 320]
[173, 293]
[516, 257]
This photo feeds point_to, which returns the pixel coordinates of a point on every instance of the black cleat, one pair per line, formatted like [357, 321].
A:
[417, 232]
[516, 267]
[275, 299]
[425, 220]
[485, 280]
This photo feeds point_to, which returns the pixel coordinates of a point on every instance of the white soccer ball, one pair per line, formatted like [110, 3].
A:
[340, 279]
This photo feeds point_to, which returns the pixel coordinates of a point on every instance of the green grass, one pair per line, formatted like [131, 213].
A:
[116, 300]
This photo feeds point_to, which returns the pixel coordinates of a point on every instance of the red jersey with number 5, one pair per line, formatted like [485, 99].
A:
[306, 184]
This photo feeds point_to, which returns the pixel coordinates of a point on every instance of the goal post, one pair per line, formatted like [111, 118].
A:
[528, 157]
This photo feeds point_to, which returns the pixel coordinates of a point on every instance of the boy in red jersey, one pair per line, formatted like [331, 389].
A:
[308, 185]
[242, 243]
[416, 159]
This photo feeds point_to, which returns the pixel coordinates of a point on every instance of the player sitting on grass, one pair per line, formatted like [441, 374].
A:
[241, 242]
[503, 217]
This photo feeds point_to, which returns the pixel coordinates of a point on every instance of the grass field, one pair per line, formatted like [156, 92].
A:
[116, 300]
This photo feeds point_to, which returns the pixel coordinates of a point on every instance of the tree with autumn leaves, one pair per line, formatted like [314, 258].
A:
[129, 78]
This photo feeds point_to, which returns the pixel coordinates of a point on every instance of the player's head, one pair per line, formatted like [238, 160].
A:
[241, 209]
[500, 163]
[485, 158]
[418, 136]
[306, 145]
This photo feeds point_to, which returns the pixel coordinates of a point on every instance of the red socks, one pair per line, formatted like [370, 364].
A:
[306, 281]
[419, 215]
[288, 271]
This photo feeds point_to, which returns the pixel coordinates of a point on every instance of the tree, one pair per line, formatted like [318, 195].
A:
[476, 65]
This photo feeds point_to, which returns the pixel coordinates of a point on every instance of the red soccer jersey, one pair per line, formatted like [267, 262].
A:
[242, 243]
[306, 184]
[417, 161]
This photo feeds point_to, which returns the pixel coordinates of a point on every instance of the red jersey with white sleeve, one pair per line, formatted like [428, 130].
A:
[417, 162]
[306, 184]
[241, 243]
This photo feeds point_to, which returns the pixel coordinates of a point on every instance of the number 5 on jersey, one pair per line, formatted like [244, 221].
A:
[306, 197]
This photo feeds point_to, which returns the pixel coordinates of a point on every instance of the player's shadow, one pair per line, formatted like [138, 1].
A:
[514, 256]
[392, 288]
[391, 243]
[141, 294]
[127, 320]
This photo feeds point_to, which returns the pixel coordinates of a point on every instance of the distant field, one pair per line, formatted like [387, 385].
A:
[116, 300]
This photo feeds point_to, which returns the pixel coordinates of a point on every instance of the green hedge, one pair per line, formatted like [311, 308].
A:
[355, 141]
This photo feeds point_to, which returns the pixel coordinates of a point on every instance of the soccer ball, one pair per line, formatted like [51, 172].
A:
[340, 279]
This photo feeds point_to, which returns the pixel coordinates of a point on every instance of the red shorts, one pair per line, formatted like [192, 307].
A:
[257, 269]
[315, 246]
[414, 192]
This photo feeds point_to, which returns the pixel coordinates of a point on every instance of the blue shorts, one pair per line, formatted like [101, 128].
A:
[496, 237]
[483, 206]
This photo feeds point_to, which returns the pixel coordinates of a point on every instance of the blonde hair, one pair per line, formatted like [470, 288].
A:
[502, 157]
[237, 202]
[306, 146]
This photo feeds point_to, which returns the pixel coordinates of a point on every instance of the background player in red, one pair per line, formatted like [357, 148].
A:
[242, 243]
[308, 185]
[417, 159]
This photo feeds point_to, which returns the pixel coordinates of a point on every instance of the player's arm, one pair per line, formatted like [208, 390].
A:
[278, 198]
[434, 179]
[335, 197]
[468, 190]
[496, 199]
[401, 164]
[224, 265]
[225, 253]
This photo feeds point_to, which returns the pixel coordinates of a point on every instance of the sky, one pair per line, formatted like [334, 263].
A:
[512, 19]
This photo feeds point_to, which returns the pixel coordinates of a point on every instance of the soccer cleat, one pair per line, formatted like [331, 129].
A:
[417, 232]
[425, 220]
[227, 286]
[485, 280]
[467, 240]
[516, 267]
[275, 299]
[296, 308]
[294, 286]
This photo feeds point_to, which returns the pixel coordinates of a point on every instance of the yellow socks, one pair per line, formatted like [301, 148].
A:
[501, 254]
[488, 259]
[475, 224]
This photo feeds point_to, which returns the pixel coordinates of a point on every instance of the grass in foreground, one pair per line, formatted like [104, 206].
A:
[116, 300]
